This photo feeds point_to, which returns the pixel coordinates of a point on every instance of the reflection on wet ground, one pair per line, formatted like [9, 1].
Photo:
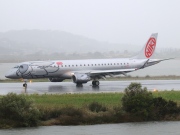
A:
[69, 87]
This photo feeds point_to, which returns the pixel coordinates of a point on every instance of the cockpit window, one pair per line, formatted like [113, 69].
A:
[16, 67]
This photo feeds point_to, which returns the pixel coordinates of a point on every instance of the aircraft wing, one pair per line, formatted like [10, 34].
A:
[163, 59]
[104, 73]
[154, 61]
[111, 71]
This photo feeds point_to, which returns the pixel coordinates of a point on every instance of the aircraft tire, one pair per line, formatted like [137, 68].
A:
[25, 85]
[95, 83]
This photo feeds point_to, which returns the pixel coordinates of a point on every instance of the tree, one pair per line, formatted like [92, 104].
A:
[163, 107]
[138, 101]
[18, 111]
[141, 104]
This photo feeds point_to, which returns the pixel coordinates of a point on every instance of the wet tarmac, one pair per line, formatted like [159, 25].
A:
[69, 87]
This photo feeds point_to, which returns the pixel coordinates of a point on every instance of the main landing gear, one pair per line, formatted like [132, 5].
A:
[95, 83]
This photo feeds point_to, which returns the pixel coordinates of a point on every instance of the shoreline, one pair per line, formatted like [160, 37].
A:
[77, 109]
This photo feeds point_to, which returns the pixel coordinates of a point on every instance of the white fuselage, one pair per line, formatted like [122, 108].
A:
[66, 68]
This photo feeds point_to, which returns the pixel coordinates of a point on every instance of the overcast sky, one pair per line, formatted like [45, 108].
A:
[114, 21]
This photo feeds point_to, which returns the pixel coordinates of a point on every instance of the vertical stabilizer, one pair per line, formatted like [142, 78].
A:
[149, 48]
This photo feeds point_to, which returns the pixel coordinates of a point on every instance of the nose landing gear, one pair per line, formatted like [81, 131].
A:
[25, 84]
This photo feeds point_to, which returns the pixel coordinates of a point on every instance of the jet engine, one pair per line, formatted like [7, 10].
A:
[80, 78]
[56, 79]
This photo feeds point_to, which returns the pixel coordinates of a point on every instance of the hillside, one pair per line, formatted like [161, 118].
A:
[28, 41]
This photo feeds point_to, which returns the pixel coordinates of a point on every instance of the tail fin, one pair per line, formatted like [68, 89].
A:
[149, 48]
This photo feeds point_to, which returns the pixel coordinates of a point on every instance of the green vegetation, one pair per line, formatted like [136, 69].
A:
[76, 100]
[96, 107]
[80, 100]
[138, 102]
[168, 95]
[17, 111]
[142, 106]
[135, 104]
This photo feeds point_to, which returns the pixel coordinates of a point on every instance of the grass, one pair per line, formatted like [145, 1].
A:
[77, 100]
[169, 95]
[81, 100]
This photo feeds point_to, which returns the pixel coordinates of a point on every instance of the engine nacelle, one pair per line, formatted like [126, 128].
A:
[80, 78]
[56, 79]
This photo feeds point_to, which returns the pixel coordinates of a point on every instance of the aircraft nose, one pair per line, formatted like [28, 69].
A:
[10, 74]
[7, 76]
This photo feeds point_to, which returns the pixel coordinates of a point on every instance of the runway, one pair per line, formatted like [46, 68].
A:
[69, 87]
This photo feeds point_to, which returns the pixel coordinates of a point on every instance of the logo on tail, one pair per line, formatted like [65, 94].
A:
[150, 47]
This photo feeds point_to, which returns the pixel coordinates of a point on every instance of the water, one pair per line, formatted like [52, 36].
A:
[169, 67]
[144, 128]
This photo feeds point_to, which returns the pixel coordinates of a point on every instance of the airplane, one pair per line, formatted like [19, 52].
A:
[82, 71]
